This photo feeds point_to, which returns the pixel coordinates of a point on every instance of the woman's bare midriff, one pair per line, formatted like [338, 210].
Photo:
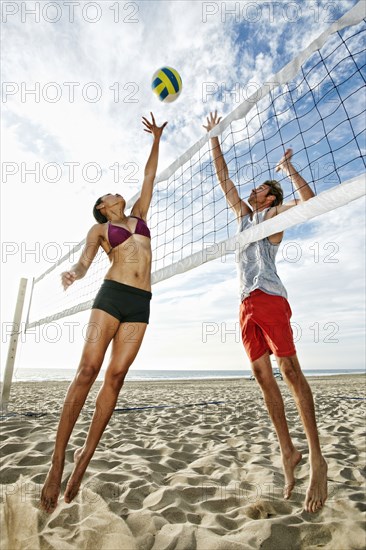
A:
[131, 263]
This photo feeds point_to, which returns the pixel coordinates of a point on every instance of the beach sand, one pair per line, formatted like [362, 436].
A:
[188, 476]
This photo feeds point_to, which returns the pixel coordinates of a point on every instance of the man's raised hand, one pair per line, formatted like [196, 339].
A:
[285, 162]
[212, 121]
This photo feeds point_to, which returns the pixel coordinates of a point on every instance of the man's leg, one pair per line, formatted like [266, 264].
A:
[317, 491]
[262, 370]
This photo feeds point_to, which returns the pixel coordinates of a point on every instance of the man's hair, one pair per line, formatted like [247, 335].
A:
[276, 190]
[97, 214]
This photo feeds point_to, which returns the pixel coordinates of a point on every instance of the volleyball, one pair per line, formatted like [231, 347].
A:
[167, 84]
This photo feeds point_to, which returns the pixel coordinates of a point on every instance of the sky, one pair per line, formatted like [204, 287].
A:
[90, 65]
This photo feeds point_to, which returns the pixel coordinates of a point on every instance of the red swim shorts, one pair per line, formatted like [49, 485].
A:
[265, 325]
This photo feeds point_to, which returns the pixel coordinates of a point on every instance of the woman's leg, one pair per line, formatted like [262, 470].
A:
[126, 345]
[101, 329]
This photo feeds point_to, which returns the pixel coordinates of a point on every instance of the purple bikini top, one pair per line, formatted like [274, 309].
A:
[118, 235]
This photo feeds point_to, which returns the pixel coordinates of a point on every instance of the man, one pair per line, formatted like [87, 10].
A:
[265, 319]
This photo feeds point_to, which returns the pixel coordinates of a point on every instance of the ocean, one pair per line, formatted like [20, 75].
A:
[23, 374]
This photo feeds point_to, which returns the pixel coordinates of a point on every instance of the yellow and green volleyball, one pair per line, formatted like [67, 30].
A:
[166, 84]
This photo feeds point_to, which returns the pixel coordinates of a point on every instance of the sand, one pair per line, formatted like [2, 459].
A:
[185, 477]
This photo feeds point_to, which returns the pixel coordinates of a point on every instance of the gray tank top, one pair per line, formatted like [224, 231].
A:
[256, 266]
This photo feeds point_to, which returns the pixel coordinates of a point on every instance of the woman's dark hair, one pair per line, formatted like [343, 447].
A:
[97, 214]
[276, 190]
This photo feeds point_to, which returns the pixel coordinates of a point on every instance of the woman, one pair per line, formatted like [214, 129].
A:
[120, 314]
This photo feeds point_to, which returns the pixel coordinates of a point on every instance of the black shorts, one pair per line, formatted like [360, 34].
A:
[126, 303]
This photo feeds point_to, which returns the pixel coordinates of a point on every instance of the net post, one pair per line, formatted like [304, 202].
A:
[29, 306]
[16, 330]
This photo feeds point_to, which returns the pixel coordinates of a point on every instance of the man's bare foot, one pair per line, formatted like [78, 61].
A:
[317, 493]
[73, 485]
[289, 464]
[51, 487]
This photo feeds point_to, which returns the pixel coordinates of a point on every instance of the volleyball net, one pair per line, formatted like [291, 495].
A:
[315, 105]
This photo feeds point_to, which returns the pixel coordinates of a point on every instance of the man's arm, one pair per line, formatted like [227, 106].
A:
[230, 191]
[301, 186]
[142, 204]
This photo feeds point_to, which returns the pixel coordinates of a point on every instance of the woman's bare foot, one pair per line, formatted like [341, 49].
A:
[51, 487]
[289, 464]
[317, 493]
[81, 463]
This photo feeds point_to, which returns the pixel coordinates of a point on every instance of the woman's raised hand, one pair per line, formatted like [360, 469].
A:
[152, 128]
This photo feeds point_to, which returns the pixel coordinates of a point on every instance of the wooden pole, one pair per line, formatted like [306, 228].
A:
[16, 330]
